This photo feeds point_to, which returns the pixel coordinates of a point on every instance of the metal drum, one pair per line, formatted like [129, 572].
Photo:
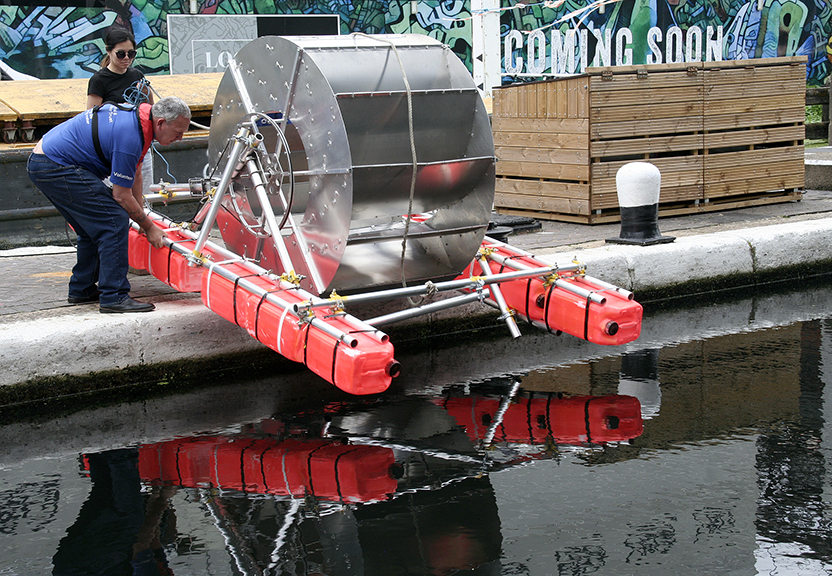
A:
[344, 120]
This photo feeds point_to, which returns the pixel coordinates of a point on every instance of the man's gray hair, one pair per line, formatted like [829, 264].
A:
[170, 108]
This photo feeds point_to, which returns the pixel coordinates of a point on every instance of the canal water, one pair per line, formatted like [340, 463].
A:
[703, 448]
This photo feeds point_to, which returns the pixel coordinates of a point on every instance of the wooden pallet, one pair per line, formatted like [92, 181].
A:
[715, 130]
[665, 209]
[26, 105]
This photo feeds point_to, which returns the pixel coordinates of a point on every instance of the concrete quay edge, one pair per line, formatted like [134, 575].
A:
[79, 341]
[717, 259]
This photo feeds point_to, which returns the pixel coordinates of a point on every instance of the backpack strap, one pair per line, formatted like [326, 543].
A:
[96, 140]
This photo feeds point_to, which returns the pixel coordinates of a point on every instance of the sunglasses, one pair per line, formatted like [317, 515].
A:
[121, 54]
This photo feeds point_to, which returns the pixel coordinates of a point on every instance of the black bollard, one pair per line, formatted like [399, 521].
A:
[638, 185]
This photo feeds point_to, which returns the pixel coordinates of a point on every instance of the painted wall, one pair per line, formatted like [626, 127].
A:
[55, 42]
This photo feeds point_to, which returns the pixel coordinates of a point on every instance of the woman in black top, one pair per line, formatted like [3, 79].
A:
[117, 78]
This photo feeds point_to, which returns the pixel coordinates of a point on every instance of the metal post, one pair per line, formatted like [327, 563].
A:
[427, 308]
[239, 146]
[507, 314]
[260, 189]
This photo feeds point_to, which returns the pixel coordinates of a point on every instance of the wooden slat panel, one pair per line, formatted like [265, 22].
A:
[794, 114]
[660, 69]
[754, 136]
[653, 81]
[794, 89]
[639, 127]
[680, 193]
[647, 111]
[560, 189]
[774, 157]
[543, 155]
[561, 98]
[691, 142]
[691, 94]
[761, 68]
[753, 74]
[670, 165]
[668, 194]
[653, 145]
[761, 62]
[556, 125]
[665, 210]
[546, 170]
[542, 203]
[757, 184]
[541, 140]
[748, 106]
[682, 118]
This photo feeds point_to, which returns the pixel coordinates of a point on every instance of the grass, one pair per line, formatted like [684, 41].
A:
[813, 114]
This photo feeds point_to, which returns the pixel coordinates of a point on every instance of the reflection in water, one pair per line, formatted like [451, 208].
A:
[791, 508]
[706, 455]
[118, 530]
[384, 488]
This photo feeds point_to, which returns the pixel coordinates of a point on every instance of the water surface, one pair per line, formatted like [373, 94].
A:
[702, 448]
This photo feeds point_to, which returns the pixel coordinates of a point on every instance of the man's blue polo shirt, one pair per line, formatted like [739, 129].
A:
[71, 143]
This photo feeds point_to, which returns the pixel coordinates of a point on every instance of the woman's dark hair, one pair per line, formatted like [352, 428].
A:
[116, 35]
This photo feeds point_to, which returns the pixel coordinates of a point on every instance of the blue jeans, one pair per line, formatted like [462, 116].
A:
[101, 223]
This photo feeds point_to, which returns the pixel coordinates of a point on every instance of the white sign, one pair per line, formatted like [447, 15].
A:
[206, 42]
[568, 52]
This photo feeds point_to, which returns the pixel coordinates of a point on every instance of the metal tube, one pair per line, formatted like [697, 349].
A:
[501, 302]
[516, 265]
[257, 290]
[470, 283]
[427, 308]
[216, 201]
[172, 187]
[501, 412]
[626, 293]
[582, 292]
[259, 188]
[234, 69]
[561, 283]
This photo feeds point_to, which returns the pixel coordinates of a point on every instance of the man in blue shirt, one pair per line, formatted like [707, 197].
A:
[68, 165]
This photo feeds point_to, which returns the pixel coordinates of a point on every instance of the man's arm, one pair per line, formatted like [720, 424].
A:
[127, 198]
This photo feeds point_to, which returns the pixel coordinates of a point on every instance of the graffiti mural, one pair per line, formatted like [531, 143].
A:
[556, 37]
[52, 42]
[538, 38]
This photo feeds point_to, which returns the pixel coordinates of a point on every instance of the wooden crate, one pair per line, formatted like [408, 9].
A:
[723, 135]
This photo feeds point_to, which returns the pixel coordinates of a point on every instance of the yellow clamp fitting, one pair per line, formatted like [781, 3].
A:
[581, 267]
[305, 316]
[550, 279]
[486, 251]
[199, 258]
[291, 277]
[165, 193]
[480, 284]
[337, 301]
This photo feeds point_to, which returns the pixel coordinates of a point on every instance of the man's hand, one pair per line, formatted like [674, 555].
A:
[127, 199]
[155, 236]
